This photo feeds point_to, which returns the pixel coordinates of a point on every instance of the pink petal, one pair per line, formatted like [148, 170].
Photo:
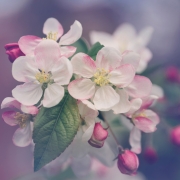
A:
[10, 102]
[140, 87]
[29, 109]
[28, 93]
[9, 118]
[52, 25]
[28, 44]
[122, 76]
[83, 65]
[123, 105]
[72, 35]
[148, 123]
[53, 95]
[108, 58]
[148, 101]
[67, 51]
[135, 140]
[24, 69]
[157, 91]
[105, 98]
[81, 89]
[130, 57]
[46, 54]
[62, 71]
[23, 137]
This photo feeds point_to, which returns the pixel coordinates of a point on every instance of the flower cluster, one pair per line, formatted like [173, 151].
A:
[51, 72]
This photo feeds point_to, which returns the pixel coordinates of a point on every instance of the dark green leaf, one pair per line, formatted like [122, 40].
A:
[94, 50]
[54, 130]
[81, 46]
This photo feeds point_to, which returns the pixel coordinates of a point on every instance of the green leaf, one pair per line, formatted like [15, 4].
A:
[94, 50]
[81, 46]
[54, 130]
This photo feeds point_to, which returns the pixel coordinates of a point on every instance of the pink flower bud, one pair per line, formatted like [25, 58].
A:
[13, 51]
[150, 155]
[98, 137]
[128, 162]
[175, 135]
[172, 74]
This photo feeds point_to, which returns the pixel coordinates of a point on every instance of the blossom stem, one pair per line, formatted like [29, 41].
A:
[110, 129]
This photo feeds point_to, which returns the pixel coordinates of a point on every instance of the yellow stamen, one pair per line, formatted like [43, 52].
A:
[52, 36]
[22, 119]
[101, 77]
[43, 77]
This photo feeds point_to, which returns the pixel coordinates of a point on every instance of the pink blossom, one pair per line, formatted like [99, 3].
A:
[53, 30]
[175, 135]
[22, 117]
[13, 51]
[150, 155]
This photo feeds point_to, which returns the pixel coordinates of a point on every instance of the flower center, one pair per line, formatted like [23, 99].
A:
[52, 36]
[43, 77]
[140, 114]
[101, 77]
[22, 119]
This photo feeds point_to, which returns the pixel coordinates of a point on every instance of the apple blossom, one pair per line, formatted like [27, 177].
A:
[53, 30]
[22, 117]
[13, 51]
[128, 162]
[126, 38]
[43, 75]
[101, 76]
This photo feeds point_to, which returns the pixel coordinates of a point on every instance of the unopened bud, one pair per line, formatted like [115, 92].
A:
[150, 155]
[13, 51]
[99, 136]
[175, 135]
[172, 74]
[128, 162]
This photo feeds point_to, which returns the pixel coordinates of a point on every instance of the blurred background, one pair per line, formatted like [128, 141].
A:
[18, 18]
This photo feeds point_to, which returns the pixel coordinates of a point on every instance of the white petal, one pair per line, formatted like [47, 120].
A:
[46, 54]
[135, 140]
[88, 133]
[28, 93]
[157, 91]
[83, 65]
[10, 102]
[24, 69]
[67, 51]
[144, 36]
[108, 58]
[23, 137]
[62, 71]
[81, 166]
[104, 38]
[52, 25]
[122, 76]
[105, 154]
[125, 32]
[82, 89]
[130, 57]
[9, 118]
[28, 44]
[53, 95]
[123, 105]
[105, 98]
[72, 35]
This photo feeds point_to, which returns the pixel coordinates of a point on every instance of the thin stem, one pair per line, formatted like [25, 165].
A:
[109, 127]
